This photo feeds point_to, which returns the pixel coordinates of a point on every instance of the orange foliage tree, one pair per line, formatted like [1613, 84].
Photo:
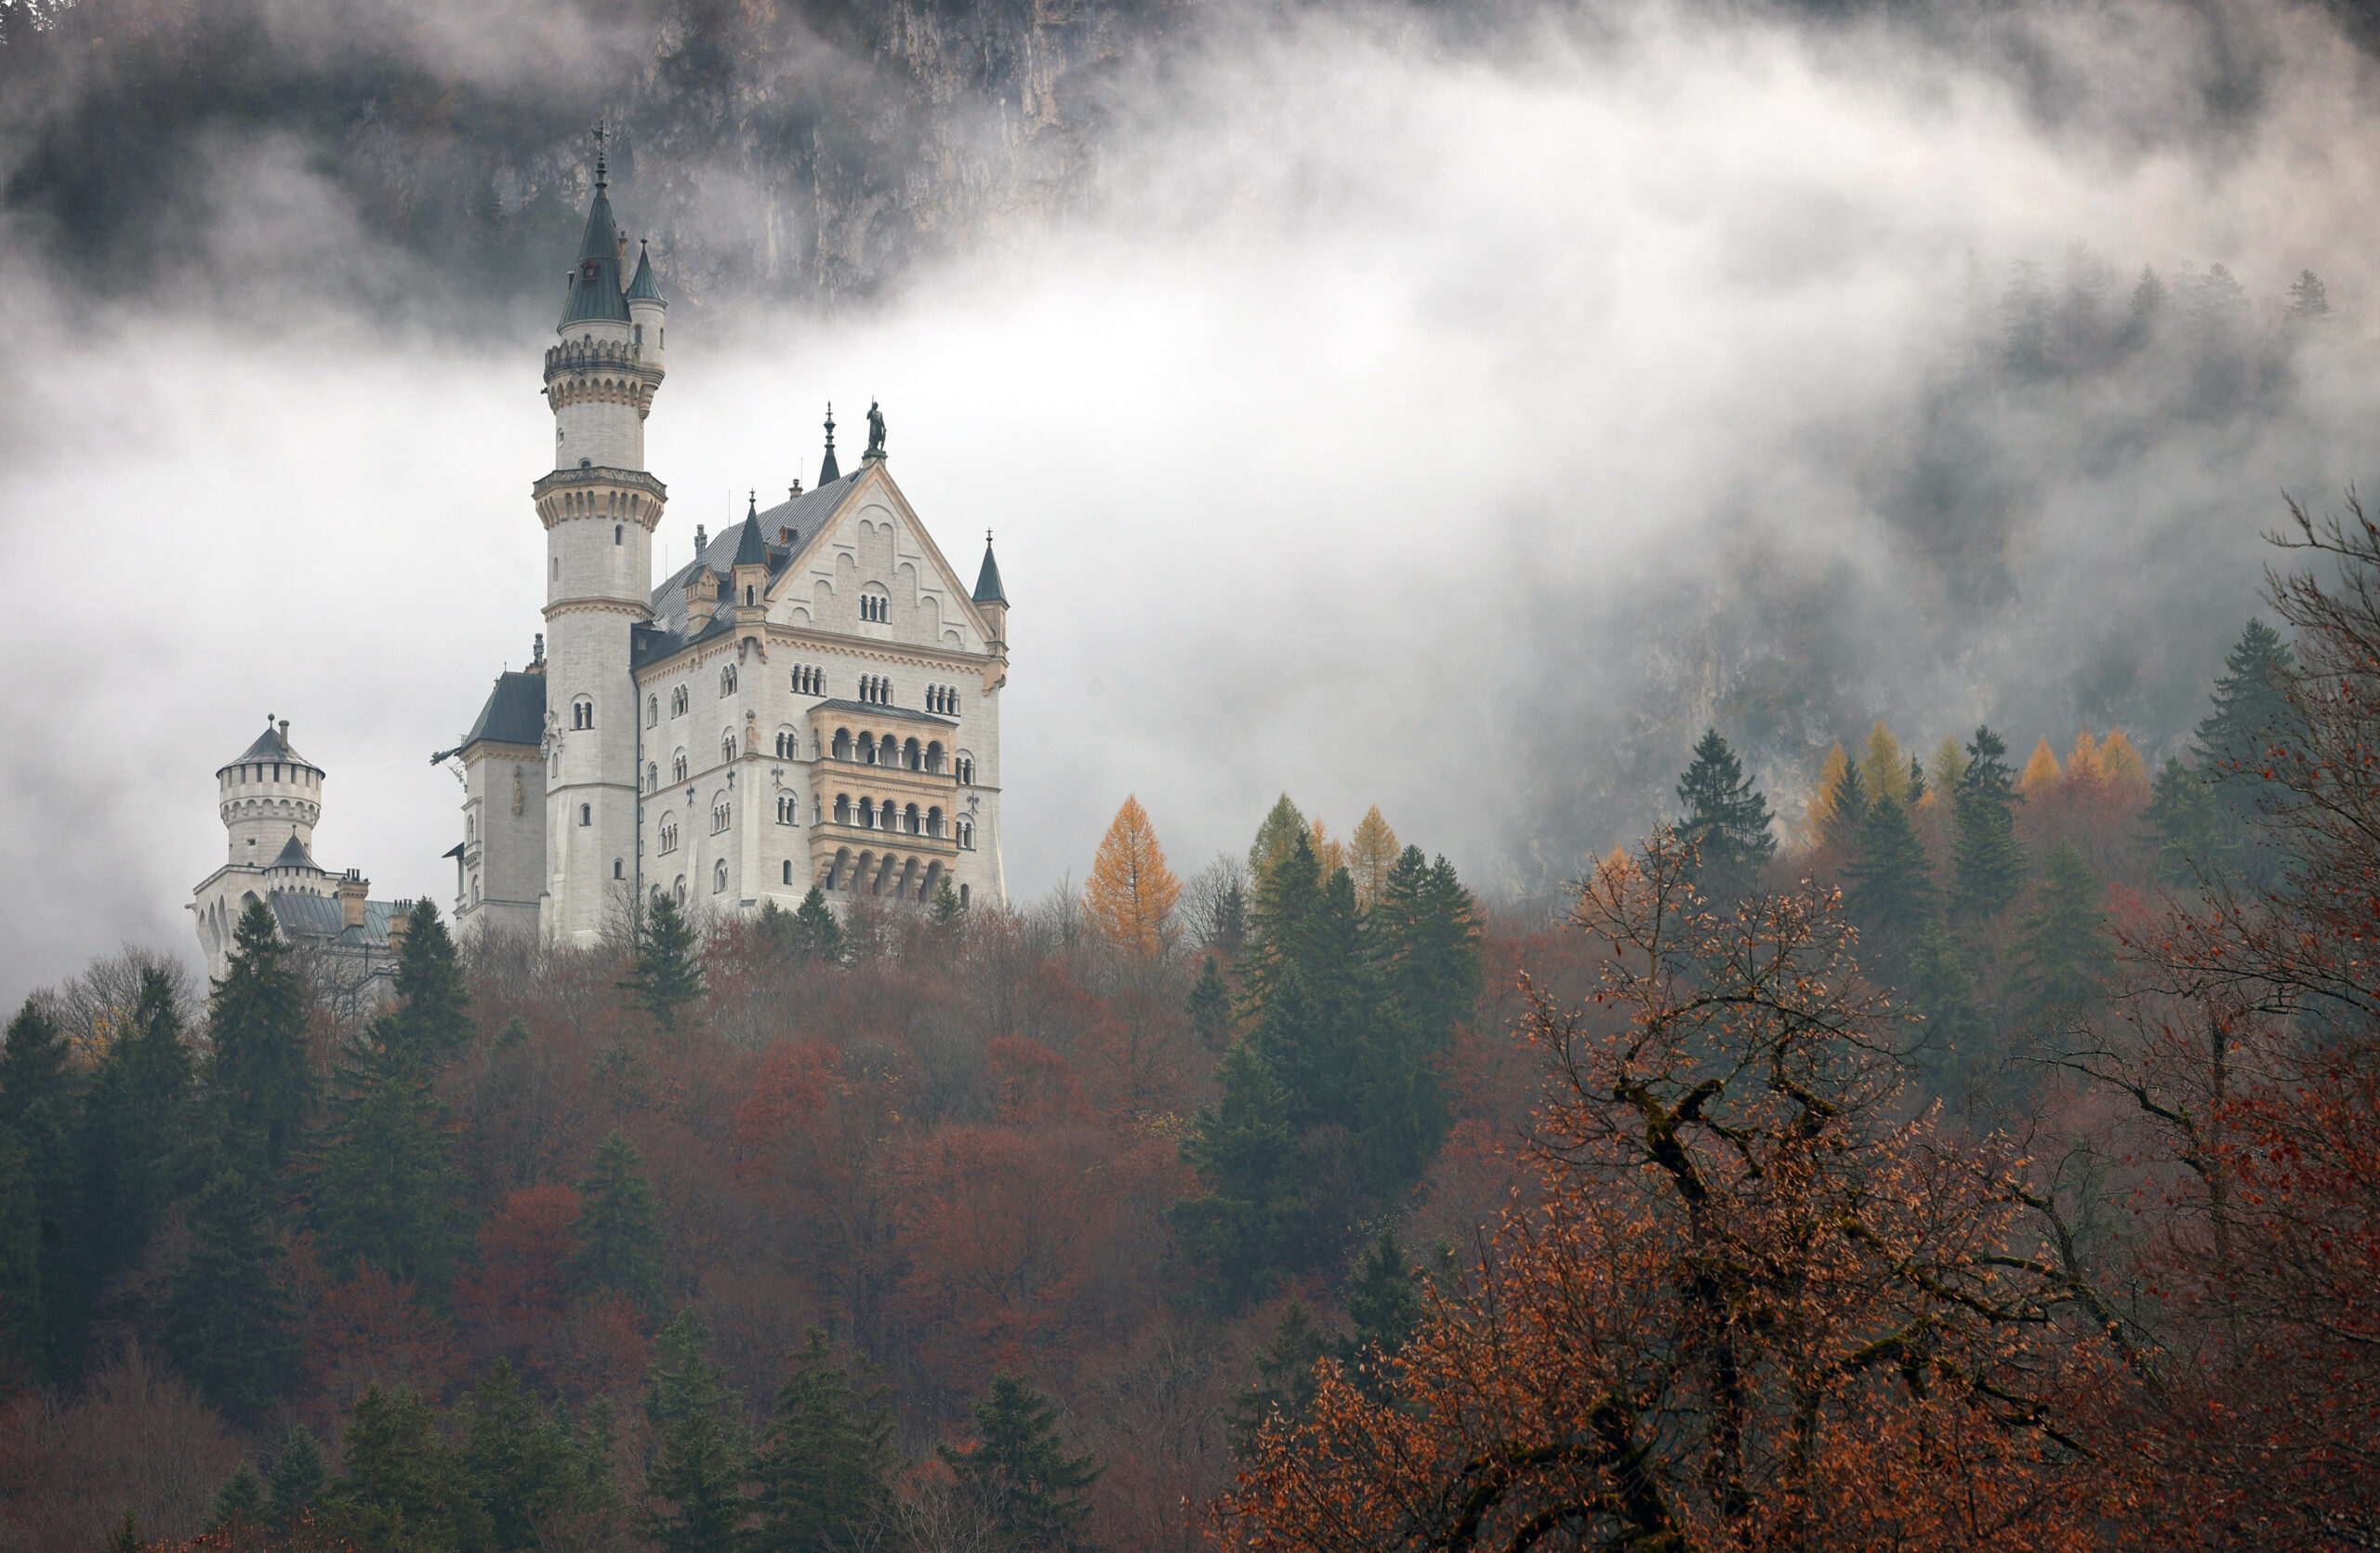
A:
[1757, 1308]
[1131, 893]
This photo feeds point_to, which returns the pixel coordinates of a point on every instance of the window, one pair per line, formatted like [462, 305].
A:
[933, 756]
[842, 808]
[874, 606]
[668, 833]
[651, 776]
[967, 834]
[809, 682]
[933, 821]
[582, 713]
[943, 699]
[678, 702]
[679, 889]
[787, 811]
[587, 813]
[727, 748]
[912, 757]
[719, 817]
[618, 529]
[677, 767]
[868, 814]
[788, 870]
[962, 897]
[909, 819]
[747, 593]
[868, 749]
[653, 712]
[842, 743]
[967, 770]
[557, 568]
[727, 681]
[620, 868]
[719, 876]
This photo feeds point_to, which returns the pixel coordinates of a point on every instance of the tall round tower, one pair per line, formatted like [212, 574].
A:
[267, 795]
[600, 509]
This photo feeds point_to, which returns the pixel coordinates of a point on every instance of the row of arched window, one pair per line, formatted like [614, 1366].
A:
[874, 607]
[876, 690]
[668, 835]
[867, 749]
[302, 775]
[788, 809]
[727, 681]
[943, 698]
[788, 745]
[905, 877]
[909, 819]
[718, 816]
[809, 682]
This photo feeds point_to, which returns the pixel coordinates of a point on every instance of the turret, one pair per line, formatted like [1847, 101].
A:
[267, 797]
[750, 571]
[991, 599]
[648, 311]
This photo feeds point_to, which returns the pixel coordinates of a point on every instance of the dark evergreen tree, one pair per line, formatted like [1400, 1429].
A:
[2061, 954]
[1726, 820]
[1847, 810]
[1988, 866]
[1281, 827]
[401, 1489]
[949, 917]
[239, 1503]
[257, 1075]
[523, 1465]
[127, 1537]
[667, 972]
[1916, 783]
[41, 1105]
[697, 1473]
[826, 1476]
[818, 932]
[1209, 1007]
[1424, 938]
[138, 1129]
[1288, 899]
[34, 1065]
[2185, 826]
[386, 1191]
[2254, 717]
[1384, 1305]
[433, 1002]
[1019, 1475]
[24, 1314]
[1230, 933]
[228, 1320]
[1245, 1153]
[299, 1476]
[1889, 881]
[1954, 1041]
[1285, 1382]
[619, 1228]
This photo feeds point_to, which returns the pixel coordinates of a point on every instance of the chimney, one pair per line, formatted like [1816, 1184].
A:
[398, 923]
[285, 730]
[352, 888]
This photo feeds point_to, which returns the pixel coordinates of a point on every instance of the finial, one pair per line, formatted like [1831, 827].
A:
[751, 505]
[987, 536]
[830, 423]
[601, 135]
[537, 651]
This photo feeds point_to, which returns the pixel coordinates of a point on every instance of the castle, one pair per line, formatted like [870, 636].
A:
[813, 699]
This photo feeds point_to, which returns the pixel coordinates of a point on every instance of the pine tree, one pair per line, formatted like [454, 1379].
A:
[1726, 820]
[1130, 894]
[2308, 297]
[668, 973]
[401, 1489]
[1890, 880]
[2185, 825]
[816, 929]
[386, 1189]
[1372, 853]
[1423, 940]
[2061, 949]
[1915, 787]
[228, 1320]
[1987, 864]
[260, 1079]
[619, 1228]
[699, 1461]
[139, 1127]
[1282, 826]
[240, 1502]
[1847, 809]
[299, 1478]
[1245, 1154]
[1018, 1473]
[1209, 1007]
[433, 1002]
[826, 1476]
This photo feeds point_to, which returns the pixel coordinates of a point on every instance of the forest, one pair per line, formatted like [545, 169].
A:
[1983, 1156]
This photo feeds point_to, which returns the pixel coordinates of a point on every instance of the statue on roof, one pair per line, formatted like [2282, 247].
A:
[875, 430]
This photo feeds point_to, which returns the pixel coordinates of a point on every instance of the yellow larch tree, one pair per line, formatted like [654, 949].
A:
[1821, 805]
[2042, 770]
[2121, 765]
[2084, 763]
[1372, 853]
[1329, 855]
[1130, 893]
[1950, 765]
[1883, 769]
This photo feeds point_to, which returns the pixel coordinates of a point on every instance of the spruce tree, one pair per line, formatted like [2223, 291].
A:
[34, 1065]
[667, 972]
[522, 1463]
[816, 931]
[2254, 716]
[1726, 818]
[259, 1075]
[24, 1326]
[138, 1128]
[1288, 899]
[2061, 952]
[433, 1002]
[228, 1320]
[699, 1465]
[239, 1503]
[1209, 1007]
[386, 1190]
[1987, 864]
[299, 1476]
[1384, 1305]
[1955, 1036]
[619, 1228]
[1890, 880]
[2184, 822]
[401, 1489]
[826, 1474]
[1018, 1474]
[1245, 1154]
[1285, 1382]
[1282, 826]
[41, 1103]
[1847, 809]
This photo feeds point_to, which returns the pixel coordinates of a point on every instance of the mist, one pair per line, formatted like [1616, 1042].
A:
[1454, 426]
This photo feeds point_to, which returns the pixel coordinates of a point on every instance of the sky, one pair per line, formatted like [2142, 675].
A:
[1453, 431]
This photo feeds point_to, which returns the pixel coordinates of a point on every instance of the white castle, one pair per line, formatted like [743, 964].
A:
[813, 699]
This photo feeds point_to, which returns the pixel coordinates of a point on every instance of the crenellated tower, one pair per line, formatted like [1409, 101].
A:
[600, 509]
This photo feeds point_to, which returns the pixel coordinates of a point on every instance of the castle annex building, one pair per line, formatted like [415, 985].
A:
[812, 699]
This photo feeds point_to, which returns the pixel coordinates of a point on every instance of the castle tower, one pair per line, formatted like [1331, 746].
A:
[600, 509]
[267, 797]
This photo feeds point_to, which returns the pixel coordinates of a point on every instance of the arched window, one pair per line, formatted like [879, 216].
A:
[668, 833]
[618, 529]
[653, 712]
[727, 681]
[719, 817]
[620, 868]
[933, 820]
[933, 756]
[842, 743]
[911, 757]
[677, 767]
[747, 593]
[719, 876]
[868, 749]
[727, 748]
[785, 810]
[651, 776]
[587, 813]
[788, 870]
[962, 897]
[909, 819]
[842, 808]
[679, 889]
[582, 713]
[967, 770]
[678, 701]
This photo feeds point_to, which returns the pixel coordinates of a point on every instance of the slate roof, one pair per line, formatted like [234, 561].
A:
[751, 550]
[515, 713]
[874, 708]
[292, 855]
[645, 288]
[271, 746]
[305, 916]
[805, 514]
[597, 294]
[987, 581]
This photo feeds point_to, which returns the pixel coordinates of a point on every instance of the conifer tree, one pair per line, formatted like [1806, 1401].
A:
[299, 1476]
[1245, 1154]
[433, 1002]
[259, 1075]
[1987, 865]
[1209, 1007]
[1372, 853]
[139, 1127]
[1130, 894]
[1726, 820]
[1289, 901]
[386, 1189]
[1284, 1387]
[1915, 788]
[127, 1537]
[34, 1065]
[949, 917]
[401, 1489]
[522, 1463]
[1956, 1035]
[2121, 765]
[1847, 809]
[699, 1465]
[667, 972]
[815, 930]
[1019, 1475]
[1384, 1305]
[826, 1474]
[1230, 936]
[228, 1320]
[1423, 936]
[2061, 951]
[239, 1503]
[2185, 824]
[1950, 765]
[24, 1326]
[1282, 826]
[2042, 770]
[1890, 880]
[1881, 771]
[41, 1107]
[2255, 713]
[619, 1227]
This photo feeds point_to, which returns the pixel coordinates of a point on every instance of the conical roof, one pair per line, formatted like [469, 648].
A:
[827, 472]
[595, 289]
[272, 745]
[645, 288]
[751, 549]
[987, 581]
[292, 855]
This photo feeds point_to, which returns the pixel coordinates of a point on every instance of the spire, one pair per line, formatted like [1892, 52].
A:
[601, 135]
[595, 284]
[645, 288]
[827, 472]
[751, 549]
[987, 581]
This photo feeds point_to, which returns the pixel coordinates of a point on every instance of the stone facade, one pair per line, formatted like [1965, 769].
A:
[812, 699]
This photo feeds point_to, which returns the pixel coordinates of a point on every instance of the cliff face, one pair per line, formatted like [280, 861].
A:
[794, 150]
